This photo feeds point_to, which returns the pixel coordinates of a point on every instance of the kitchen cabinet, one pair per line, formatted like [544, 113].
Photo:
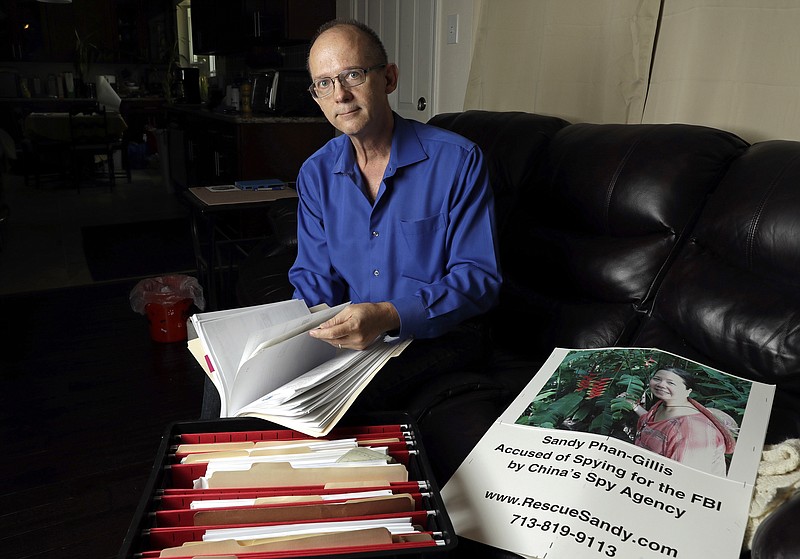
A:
[23, 30]
[216, 27]
[224, 157]
[118, 31]
[239, 26]
[139, 31]
[144, 30]
[132, 32]
[95, 22]
[210, 152]
[59, 24]
[305, 17]
[208, 148]
[44, 32]
[263, 21]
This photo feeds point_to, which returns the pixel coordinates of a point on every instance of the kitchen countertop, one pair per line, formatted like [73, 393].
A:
[74, 100]
[51, 103]
[239, 118]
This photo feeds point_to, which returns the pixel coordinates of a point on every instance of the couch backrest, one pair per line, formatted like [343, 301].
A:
[731, 299]
[513, 144]
[589, 240]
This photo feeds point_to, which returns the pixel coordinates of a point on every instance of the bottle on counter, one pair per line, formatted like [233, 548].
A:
[232, 97]
[246, 97]
[52, 87]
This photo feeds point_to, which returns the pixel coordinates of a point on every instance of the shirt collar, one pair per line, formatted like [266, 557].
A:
[406, 149]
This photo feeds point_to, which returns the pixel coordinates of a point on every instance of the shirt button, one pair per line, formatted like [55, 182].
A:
[374, 233]
[376, 273]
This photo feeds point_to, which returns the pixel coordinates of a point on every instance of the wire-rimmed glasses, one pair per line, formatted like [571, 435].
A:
[322, 87]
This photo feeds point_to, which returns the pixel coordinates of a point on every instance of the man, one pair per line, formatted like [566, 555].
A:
[394, 216]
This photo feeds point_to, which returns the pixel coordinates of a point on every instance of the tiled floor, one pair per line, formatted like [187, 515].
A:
[42, 240]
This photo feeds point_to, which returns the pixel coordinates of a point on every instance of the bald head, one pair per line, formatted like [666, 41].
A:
[360, 35]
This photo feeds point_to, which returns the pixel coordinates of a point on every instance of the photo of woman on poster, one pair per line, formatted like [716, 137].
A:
[678, 427]
[684, 411]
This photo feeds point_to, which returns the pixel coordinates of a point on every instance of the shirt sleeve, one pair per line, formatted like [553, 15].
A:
[312, 275]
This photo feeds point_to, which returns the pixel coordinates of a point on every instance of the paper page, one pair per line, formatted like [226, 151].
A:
[394, 525]
[322, 380]
[304, 447]
[296, 544]
[275, 333]
[315, 404]
[281, 499]
[106, 95]
[289, 329]
[227, 332]
[208, 316]
[278, 474]
[338, 364]
[342, 390]
[394, 504]
[276, 365]
[329, 412]
[274, 312]
[268, 333]
[322, 458]
[317, 410]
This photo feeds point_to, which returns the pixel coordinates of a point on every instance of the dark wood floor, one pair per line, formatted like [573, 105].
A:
[86, 395]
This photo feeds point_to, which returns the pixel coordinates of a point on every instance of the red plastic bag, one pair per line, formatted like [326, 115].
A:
[167, 300]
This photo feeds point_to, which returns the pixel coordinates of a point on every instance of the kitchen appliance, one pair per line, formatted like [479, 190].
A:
[283, 92]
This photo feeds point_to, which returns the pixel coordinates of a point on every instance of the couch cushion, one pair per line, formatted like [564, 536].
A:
[591, 237]
[731, 300]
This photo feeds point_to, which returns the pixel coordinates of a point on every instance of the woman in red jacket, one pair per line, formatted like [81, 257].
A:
[679, 427]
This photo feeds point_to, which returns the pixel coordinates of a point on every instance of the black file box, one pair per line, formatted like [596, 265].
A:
[137, 543]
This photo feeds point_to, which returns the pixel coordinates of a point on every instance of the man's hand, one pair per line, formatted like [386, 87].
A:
[357, 326]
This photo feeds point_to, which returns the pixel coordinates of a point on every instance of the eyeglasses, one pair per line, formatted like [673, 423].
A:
[352, 77]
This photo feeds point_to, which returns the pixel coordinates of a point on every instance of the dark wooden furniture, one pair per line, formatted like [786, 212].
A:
[92, 136]
[211, 148]
[81, 132]
[226, 225]
[208, 148]
[45, 146]
[244, 25]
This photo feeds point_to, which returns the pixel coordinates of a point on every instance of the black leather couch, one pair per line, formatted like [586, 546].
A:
[679, 237]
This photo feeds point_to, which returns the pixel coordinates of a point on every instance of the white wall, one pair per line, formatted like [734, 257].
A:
[451, 66]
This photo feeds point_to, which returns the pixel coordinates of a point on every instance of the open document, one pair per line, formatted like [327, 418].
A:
[264, 364]
[607, 452]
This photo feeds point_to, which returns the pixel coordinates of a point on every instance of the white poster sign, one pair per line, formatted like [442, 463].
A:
[579, 484]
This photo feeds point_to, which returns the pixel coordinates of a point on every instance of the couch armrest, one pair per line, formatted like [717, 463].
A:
[778, 537]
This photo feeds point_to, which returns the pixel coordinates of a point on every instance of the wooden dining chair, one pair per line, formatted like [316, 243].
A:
[46, 158]
[93, 143]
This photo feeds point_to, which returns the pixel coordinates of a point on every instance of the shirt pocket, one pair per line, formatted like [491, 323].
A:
[425, 259]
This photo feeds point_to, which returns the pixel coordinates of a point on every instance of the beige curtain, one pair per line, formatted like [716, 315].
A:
[729, 64]
[582, 60]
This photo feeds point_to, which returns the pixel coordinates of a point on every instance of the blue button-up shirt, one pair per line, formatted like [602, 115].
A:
[427, 244]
